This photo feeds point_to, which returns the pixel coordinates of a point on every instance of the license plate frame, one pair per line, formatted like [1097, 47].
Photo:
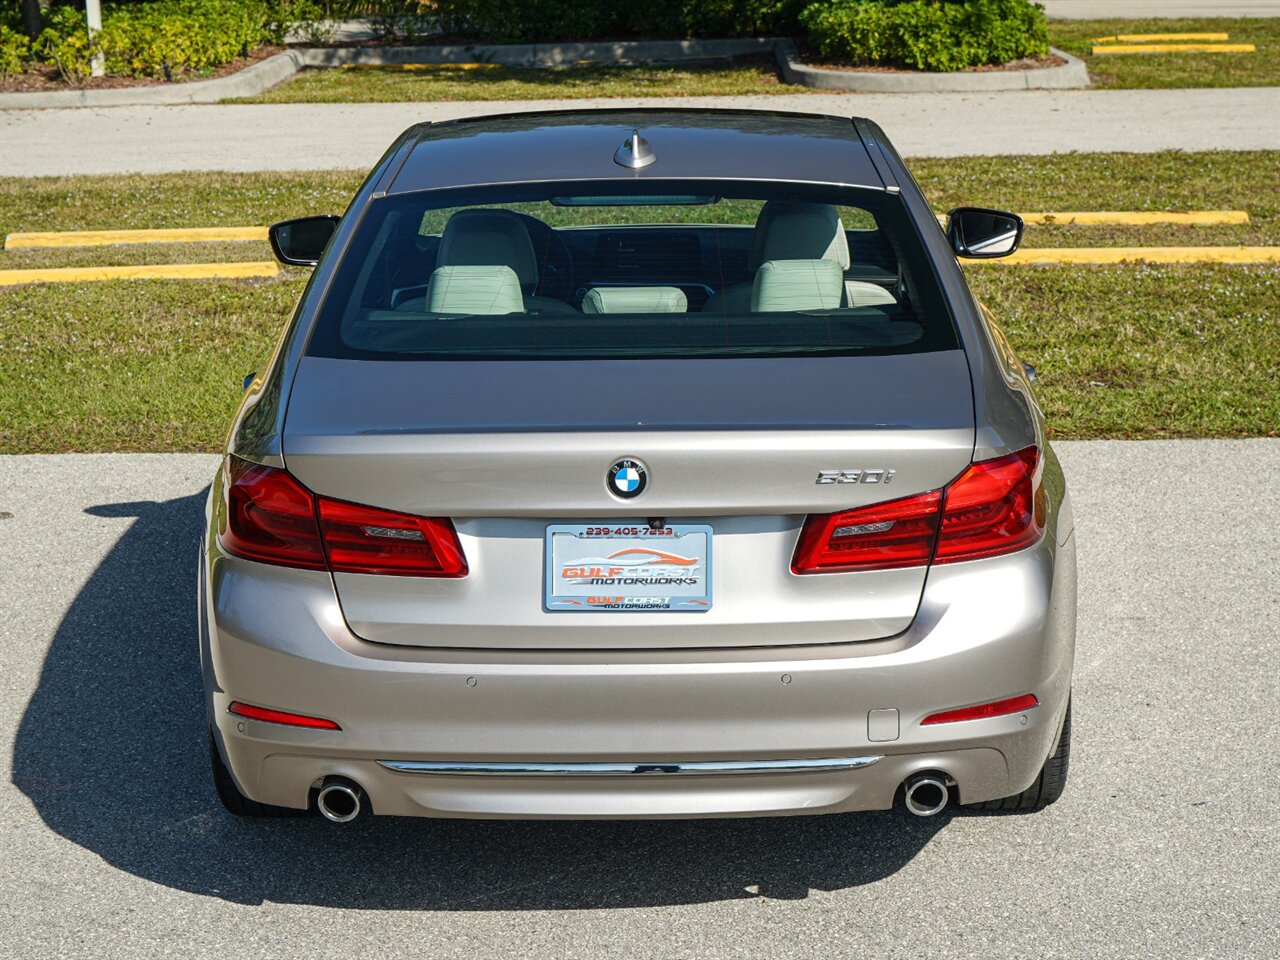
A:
[610, 557]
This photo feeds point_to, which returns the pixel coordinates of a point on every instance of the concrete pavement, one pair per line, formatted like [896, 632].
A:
[1163, 845]
[320, 136]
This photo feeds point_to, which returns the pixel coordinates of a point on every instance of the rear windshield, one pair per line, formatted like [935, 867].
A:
[633, 271]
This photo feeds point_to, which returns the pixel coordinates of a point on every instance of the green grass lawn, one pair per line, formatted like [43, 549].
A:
[1176, 70]
[741, 76]
[1122, 351]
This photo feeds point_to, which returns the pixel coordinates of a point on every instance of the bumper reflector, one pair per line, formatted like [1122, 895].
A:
[280, 716]
[998, 708]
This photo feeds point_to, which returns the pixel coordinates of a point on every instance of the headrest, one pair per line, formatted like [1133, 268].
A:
[787, 230]
[478, 237]
[482, 289]
[797, 285]
[635, 300]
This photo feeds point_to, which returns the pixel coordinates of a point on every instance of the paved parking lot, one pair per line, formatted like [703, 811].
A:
[1163, 846]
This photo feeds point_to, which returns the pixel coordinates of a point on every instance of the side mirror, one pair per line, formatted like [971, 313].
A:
[300, 242]
[983, 234]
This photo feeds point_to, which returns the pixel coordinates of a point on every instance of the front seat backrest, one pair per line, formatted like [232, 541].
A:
[486, 237]
[787, 230]
[790, 230]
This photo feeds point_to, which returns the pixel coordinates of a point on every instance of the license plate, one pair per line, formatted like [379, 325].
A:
[627, 569]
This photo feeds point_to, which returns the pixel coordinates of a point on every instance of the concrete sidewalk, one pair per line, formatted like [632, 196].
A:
[321, 136]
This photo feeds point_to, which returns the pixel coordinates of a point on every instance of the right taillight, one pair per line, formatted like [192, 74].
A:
[994, 507]
[272, 518]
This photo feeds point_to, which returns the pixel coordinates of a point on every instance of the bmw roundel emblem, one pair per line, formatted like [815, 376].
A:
[627, 478]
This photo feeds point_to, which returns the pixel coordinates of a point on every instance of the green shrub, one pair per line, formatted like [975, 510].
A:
[942, 35]
[168, 38]
[164, 39]
[15, 51]
[65, 43]
[522, 21]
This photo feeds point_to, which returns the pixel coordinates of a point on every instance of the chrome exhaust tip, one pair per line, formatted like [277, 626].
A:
[339, 801]
[926, 795]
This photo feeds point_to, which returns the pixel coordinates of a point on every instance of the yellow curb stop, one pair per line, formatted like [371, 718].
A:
[1174, 48]
[420, 66]
[1096, 255]
[1161, 37]
[1140, 218]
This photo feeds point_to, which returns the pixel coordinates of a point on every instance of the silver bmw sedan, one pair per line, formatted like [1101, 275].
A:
[638, 464]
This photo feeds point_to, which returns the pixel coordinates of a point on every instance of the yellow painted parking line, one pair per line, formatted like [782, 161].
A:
[1174, 48]
[1086, 255]
[420, 66]
[154, 271]
[102, 238]
[1141, 218]
[1160, 37]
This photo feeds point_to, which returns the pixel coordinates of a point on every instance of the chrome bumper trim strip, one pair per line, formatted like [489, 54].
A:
[694, 767]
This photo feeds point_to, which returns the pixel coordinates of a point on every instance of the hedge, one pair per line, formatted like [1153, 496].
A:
[521, 21]
[941, 35]
[164, 39]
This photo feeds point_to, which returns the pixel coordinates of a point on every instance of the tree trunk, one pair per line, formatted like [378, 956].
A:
[32, 21]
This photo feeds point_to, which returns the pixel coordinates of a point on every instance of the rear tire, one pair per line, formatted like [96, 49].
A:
[1048, 786]
[230, 795]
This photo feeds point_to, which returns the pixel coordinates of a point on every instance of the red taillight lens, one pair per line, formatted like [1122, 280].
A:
[999, 708]
[270, 517]
[368, 540]
[884, 536]
[994, 507]
[281, 716]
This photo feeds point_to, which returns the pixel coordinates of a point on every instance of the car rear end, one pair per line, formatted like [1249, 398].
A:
[680, 549]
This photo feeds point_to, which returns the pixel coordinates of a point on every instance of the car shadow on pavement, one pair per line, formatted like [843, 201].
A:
[111, 751]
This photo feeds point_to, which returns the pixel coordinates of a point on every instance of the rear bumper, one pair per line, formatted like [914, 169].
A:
[985, 631]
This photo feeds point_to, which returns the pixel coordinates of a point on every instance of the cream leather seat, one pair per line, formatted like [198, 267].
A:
[797, 285]
[470, 290]
[496, 237]
[793, 231]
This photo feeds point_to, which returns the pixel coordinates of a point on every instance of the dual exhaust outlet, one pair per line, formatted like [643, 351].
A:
[341, 800]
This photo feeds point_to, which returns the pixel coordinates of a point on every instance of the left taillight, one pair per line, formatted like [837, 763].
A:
[272, 518]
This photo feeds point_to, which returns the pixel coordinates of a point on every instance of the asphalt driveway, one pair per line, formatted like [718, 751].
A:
[1163, 846]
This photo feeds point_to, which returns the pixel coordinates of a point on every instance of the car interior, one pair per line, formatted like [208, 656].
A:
[677, 274]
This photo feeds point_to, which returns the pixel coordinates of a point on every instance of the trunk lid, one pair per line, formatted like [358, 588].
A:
[507, 449]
